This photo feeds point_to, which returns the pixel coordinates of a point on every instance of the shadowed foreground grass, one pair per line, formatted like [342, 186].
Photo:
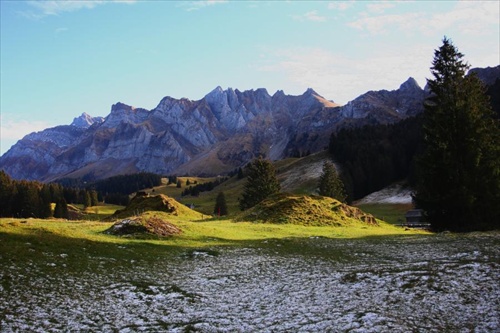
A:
[226, 276]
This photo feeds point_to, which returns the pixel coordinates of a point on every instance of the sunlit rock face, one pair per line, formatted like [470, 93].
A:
[222, 131]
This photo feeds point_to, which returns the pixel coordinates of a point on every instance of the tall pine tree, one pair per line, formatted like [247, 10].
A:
[458, 183]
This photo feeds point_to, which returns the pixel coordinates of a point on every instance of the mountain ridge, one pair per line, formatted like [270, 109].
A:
[214, 135]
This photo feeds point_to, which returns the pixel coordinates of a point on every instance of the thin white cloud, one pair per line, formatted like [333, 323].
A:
[196, 5]
[473, 17]
[385, 23]
[310, 16]
[340, 5]
[380, 7]
[57, 7]
[343, 78]
[60, 30]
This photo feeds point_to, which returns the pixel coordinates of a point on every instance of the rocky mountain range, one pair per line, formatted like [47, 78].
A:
[222, 131]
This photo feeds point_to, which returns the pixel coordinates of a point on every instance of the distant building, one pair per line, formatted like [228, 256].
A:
[414, 216]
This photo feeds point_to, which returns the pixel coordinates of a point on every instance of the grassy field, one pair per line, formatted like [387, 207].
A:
[222, 276]
[200, 233]
[390, 213]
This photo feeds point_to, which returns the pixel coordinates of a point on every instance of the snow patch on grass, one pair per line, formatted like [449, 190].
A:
[394, 194]
[432, 284]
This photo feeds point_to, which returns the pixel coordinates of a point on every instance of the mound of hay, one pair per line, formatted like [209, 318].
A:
[161, 203]
[305, 210]
[144, 225]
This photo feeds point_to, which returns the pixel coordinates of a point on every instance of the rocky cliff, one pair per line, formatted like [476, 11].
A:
[216, 134]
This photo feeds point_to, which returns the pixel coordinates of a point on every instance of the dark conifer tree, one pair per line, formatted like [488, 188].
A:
[458, 175]
[220, 208]
[94, 198]
[7, 192]
[86, 199]
[61, 209]
[45, 202]
[330, 184]
[261, 183]
[26, 201]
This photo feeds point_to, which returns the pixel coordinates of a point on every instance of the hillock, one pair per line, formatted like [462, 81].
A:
[162, 203]
[307, 210]
[144, 225]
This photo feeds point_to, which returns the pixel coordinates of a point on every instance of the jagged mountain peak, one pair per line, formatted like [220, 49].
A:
[213, 135]
[86, 120]
[310, 91]
[216, 91]
[119, 106]
[410, 85]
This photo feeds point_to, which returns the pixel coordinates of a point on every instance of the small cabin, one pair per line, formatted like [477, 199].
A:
[414, 216]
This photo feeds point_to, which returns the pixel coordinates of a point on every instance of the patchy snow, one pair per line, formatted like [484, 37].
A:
[414, 283]
[395, 194]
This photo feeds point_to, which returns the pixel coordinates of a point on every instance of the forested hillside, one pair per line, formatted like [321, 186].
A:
[372, 157]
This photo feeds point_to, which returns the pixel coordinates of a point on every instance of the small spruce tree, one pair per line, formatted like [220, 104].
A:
[330, 184]
[261, 183]
[220, 208]
[61, 209]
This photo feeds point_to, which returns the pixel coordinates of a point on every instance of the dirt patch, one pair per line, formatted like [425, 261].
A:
[144, 225]
[305, 210]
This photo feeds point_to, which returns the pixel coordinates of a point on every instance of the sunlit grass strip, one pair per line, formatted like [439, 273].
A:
[196, 234]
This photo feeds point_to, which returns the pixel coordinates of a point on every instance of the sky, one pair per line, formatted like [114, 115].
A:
[59, 59]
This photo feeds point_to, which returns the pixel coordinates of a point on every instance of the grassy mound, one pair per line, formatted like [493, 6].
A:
[161, 203]
[305, 210]
[144, 225]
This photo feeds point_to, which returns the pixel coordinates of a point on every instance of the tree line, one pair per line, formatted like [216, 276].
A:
[24, 199]
[116, 189]
[205, 187]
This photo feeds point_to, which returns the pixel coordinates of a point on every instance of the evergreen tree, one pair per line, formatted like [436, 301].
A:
[94, 198]
[220, 208]
[86, 199]
[26, 202]
[330, 184]
[179, 183]
[61, 209]
[261, 183]
[6, 194]
[45, 202]
[458, 175]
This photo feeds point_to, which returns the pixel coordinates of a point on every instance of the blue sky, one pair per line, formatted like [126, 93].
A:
[62, 58]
